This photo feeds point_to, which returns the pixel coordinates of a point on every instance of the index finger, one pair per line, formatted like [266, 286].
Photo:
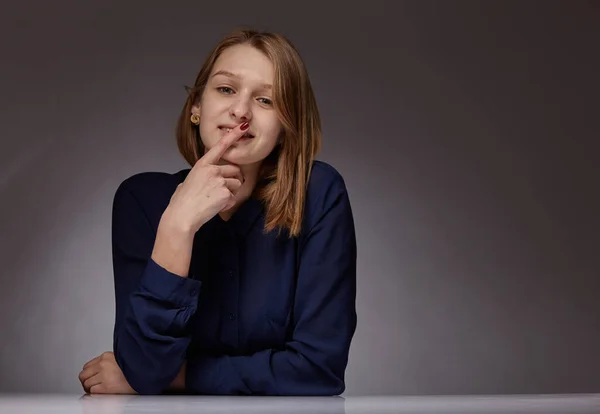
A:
[213, 155]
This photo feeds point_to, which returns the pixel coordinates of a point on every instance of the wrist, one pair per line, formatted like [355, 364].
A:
[175, 225]
[173, 246]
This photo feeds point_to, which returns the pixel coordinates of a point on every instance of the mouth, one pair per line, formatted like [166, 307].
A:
[226, 129]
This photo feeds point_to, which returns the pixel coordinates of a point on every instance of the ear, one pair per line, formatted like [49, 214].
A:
[196, 108]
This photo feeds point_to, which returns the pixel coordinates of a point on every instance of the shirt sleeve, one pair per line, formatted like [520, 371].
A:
[314, 360]
[153, 305]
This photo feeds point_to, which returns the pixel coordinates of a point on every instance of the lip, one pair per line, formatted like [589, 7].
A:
[221, 127]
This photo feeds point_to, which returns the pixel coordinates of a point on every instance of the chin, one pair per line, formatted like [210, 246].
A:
[240, 156]
[245, 154]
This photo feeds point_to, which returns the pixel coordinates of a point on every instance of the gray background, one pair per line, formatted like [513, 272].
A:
[467, 133]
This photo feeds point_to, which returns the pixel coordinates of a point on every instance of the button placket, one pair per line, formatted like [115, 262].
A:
[229, 281]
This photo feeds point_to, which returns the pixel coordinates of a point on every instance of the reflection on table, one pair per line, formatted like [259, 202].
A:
[177, 404]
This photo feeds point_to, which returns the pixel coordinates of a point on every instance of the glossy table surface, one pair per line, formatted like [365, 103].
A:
[508, 404]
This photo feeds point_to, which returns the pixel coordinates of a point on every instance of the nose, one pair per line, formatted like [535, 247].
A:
[240, 110]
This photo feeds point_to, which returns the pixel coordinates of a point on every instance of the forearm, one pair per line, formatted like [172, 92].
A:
[154, 299]
[150, 337]
[299, 370]
[173, 245]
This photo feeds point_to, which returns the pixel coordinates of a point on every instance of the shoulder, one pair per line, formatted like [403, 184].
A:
[325, 175]
[326, 190]
[148, 183]
[325, 181]
[149, 191]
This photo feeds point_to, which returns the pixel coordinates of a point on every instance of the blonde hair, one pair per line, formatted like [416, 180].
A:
[286, 171]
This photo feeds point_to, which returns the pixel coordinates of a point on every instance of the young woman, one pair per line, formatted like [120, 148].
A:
[236, 276]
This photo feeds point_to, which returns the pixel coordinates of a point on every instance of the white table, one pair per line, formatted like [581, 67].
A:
[510, 404]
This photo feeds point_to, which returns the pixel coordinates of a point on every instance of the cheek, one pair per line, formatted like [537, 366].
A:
[273, 136]
[204, 134]
[268, 141]
[207, 127]
[273, 131]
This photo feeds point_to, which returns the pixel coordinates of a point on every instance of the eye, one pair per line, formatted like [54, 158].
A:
[224, 89]
[266, 101]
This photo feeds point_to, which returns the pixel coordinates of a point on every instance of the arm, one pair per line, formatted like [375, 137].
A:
[154, 297]
[153, 305]
[315, 358]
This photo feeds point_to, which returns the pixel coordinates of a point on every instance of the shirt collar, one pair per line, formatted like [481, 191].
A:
[246, 215]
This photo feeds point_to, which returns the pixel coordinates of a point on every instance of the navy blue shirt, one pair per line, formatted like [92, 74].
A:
[258, 314]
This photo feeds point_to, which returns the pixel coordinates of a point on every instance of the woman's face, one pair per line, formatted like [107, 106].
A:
[239, 89]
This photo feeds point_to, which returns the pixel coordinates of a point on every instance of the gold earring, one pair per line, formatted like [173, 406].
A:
[195, 118]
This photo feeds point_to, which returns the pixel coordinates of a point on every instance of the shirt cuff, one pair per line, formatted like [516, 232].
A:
[167, 286]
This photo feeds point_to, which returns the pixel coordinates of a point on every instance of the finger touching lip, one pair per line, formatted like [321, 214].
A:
[228, 129]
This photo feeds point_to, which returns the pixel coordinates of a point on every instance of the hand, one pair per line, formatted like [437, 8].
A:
[102, 375]
[178, 384]
[209, 187]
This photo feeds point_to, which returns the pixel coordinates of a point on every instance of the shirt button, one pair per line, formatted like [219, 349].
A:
[193, 292]
[232, 316]
[231, 274]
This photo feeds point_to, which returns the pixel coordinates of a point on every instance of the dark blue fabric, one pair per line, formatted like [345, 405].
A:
[260, 313]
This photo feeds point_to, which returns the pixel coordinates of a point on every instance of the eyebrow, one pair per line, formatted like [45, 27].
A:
[236, 76]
